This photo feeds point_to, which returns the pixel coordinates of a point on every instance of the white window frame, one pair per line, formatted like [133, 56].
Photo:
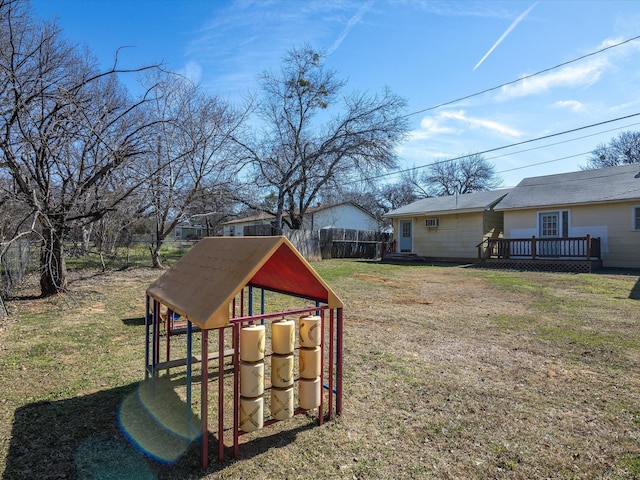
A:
[635, 218]
[560, 214]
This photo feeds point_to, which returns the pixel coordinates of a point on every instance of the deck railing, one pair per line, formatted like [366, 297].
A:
[587, 248]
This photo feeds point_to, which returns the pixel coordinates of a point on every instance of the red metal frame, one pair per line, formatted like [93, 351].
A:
[334, 403]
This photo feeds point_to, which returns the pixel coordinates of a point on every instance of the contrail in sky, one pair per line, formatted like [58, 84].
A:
[352, 22]
[507, 32]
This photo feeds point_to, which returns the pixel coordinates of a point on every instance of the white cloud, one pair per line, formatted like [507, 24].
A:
[573, 105]
[570, 76]
[448, 134]
[456, 122]
[475, 122]
[193, 71]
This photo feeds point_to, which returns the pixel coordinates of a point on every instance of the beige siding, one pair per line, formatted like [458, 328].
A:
[455, 237]
[612, 222]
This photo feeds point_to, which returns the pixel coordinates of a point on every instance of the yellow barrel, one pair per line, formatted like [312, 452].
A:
[283, 336]
[310, 332]
[251, 379]
[282, 403]
[251, 413]
[252, 343]
[281, 370]
[309, 362]
[309, 393]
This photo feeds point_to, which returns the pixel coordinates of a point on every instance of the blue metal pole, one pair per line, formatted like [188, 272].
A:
[189, 369]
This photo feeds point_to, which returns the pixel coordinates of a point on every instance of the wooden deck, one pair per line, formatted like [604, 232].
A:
[568, 254]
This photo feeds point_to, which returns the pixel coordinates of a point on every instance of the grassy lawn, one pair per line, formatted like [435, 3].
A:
[450, 373]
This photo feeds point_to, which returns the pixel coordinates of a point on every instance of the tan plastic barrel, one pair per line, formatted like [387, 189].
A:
[281, 370]
[309, 393]
[283, 336]
[282, 403]
[310, 332]
[251, 413]
[309, 362]
[251, 379]
[252, 343]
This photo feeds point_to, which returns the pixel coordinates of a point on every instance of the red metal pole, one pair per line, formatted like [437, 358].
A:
[331, 353]
[204, 400]
[339, 353]
[236, 388]
[321, 406]
[221, 395]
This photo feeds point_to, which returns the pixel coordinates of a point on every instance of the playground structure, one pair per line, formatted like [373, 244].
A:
[220, 287]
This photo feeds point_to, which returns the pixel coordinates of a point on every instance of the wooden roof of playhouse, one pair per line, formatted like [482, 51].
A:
[201, 285]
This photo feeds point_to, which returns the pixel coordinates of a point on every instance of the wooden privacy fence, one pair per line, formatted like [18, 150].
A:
[327, 243]
[347, 243]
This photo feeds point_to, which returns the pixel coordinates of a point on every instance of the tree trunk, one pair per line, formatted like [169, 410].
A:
[154, 248]
[53, 269]
[86, 237]
[155, 257]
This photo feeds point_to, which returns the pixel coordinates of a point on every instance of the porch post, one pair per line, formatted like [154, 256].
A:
[533, 247]
[588, 247]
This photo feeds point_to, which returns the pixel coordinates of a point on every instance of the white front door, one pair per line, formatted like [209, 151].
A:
[405, 239]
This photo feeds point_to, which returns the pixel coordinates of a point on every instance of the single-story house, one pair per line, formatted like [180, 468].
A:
[187, 231]
[601, 204]
[340, 215]
[449, 227]
[589, 216]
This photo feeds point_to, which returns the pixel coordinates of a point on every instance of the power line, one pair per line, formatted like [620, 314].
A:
[484, 152]
[563, 141]
[522, 78]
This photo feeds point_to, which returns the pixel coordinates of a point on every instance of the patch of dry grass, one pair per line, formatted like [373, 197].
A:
[449, 373]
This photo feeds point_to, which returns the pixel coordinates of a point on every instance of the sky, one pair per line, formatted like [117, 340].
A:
[430, 52]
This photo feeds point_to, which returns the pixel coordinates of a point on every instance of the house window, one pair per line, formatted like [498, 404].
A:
[636, 218]
[178, 232]
[554, 224]
[549, 224]
[406, 229]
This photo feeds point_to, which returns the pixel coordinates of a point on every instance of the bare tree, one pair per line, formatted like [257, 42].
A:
[65, 128]
[623, 149]
[472, 173]
[192, 152]
[312, 137]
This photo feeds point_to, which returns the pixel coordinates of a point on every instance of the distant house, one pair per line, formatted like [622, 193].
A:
[187, 231]
[450, 227]
[578, 220]
[341, 215]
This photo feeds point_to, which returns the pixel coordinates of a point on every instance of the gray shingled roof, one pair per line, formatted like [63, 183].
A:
[587, 186]
[469, 202]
